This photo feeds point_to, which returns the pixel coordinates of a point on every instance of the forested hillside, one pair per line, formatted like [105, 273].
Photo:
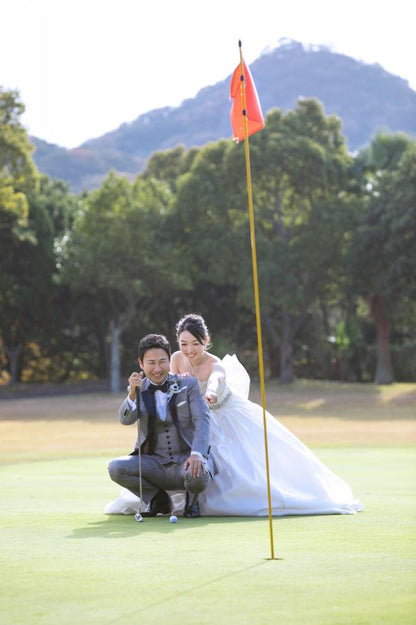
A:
[82, 276]
[365, 97]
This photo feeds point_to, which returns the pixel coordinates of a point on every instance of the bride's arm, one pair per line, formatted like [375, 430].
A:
[215, 378]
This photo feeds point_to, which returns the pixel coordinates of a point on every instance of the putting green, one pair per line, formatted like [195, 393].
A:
[63, 561]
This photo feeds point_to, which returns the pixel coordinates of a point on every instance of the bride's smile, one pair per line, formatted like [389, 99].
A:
[192, 349]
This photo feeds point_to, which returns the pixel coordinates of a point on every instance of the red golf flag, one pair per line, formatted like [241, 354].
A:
[255, 121]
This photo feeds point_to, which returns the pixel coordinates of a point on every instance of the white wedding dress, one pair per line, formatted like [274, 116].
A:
[300, 484]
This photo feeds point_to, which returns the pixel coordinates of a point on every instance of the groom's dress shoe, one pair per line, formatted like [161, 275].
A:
[159, 504]
[191, 508]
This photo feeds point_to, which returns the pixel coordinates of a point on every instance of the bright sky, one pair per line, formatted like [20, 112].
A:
[83, 67]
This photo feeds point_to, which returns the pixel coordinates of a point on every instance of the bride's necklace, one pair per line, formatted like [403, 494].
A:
[195, 369]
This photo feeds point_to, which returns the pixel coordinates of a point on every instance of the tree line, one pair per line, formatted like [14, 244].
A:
[83, 277]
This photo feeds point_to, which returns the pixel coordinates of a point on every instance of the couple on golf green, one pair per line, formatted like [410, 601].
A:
[194, 416]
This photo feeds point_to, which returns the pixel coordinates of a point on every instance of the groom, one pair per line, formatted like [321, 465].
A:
[173, 433]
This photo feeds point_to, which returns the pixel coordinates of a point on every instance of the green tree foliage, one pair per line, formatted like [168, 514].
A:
[82, 278]
[119, 259]
[18, 177]
[18, 174]
[209, 235]
[300, 166]
[29, 294]
[382, 256]
[168, 166]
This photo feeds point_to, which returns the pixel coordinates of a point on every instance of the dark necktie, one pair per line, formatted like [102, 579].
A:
[163, 387]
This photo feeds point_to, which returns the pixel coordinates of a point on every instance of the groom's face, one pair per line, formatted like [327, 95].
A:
[155, 364]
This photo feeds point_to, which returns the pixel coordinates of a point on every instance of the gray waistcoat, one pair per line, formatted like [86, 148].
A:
[169, 445]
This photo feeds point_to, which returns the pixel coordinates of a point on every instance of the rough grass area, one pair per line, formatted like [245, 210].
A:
[319, 413]
[63, 561]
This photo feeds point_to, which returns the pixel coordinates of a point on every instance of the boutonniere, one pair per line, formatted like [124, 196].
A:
[173, 389]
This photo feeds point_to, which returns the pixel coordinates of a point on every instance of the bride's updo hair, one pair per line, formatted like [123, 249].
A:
[196, 325]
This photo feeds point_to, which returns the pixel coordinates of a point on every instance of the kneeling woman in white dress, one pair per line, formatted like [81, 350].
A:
[300, 484]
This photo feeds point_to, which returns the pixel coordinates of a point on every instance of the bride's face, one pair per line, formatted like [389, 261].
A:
[190, 347]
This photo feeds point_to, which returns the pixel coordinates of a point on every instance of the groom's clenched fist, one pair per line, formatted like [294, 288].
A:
[135, 381]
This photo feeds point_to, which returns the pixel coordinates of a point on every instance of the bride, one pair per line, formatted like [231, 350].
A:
[300, 484]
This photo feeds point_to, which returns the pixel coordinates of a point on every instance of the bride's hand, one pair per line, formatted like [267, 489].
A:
[211, 397]
[185, 374]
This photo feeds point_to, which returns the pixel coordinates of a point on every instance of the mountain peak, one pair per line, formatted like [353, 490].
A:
[364, 96]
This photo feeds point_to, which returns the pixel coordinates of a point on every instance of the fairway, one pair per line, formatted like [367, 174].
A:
[63, 561]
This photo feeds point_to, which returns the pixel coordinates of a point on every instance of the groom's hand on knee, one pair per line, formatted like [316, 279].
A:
[196, 465]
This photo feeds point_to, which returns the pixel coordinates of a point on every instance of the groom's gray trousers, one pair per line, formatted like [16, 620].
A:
[157, 474]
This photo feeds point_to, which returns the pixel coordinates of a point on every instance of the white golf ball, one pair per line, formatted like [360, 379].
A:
[138, 517]
[173, 519]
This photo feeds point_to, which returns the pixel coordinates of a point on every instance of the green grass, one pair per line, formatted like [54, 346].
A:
[63, 561]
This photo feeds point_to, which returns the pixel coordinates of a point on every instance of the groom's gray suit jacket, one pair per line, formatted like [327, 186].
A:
[187, 420]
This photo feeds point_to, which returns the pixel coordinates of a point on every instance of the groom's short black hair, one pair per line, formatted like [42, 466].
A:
[153, 340]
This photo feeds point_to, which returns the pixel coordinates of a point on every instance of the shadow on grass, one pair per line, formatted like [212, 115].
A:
[125, 526]
[186, 592]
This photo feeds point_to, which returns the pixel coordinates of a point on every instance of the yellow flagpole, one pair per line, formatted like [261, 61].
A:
[256, 294]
